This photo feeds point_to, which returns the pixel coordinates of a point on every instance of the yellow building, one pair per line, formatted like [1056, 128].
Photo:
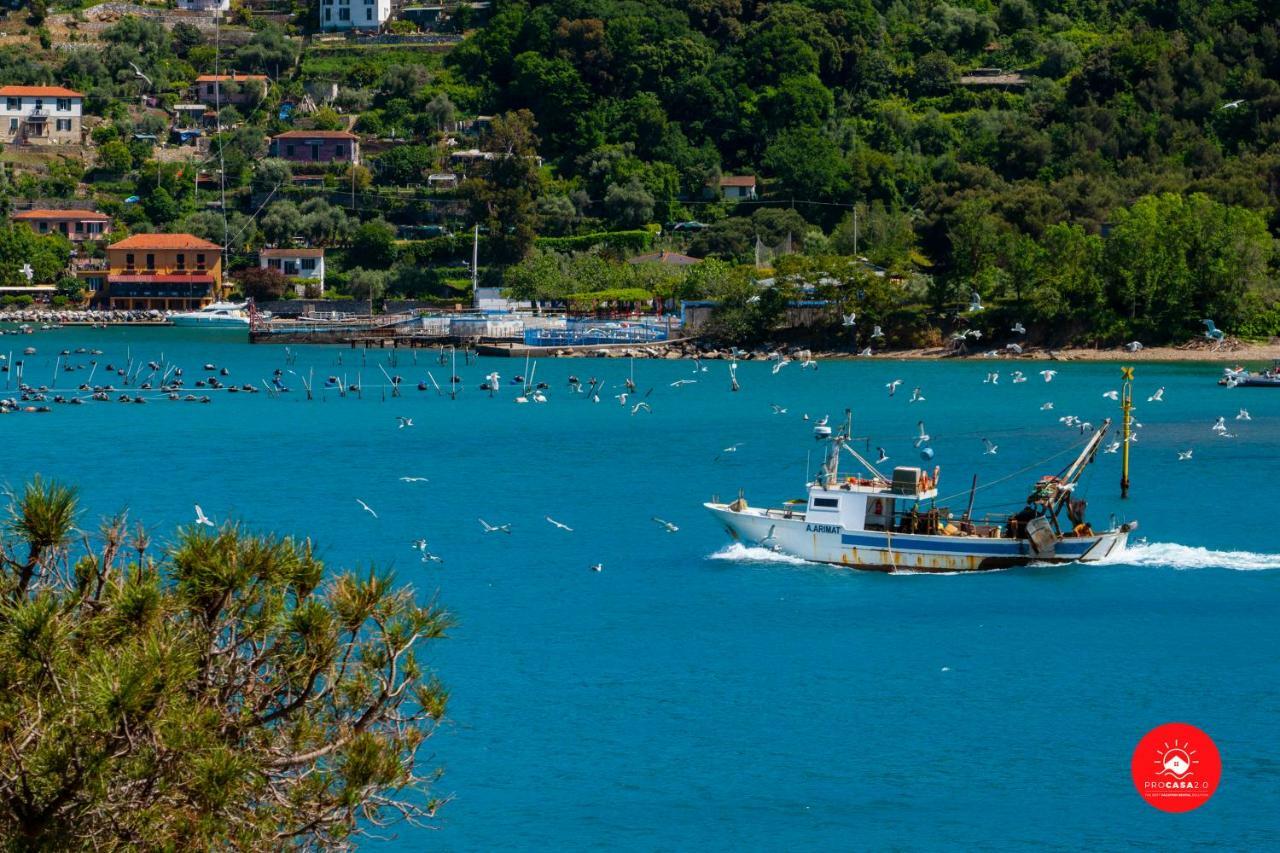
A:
[178, 272]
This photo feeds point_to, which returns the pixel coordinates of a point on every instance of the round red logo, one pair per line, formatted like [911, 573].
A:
[1176, 767]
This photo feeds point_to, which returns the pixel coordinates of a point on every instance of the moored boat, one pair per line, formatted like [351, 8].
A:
[892, 523]
[231, 315]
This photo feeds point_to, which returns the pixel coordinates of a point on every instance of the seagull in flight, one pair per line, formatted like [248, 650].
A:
[494, 528]
[1229, 105]
[597, 567]
[1112, 447]
[923, 437]
[1016, 349]
[881, 456]
[137, 72]
[975, 301]
[990, 448]
[893, 386]
[1133, 346]
[666, 525]
[1244, 415]
[1184, 455]
[1018, 329]
[916, 396]
[848, 319]
[777, 410]
[559, 524]
[1220, 425]
[1045, 407]
[993, 378]
[1018, 377]
[364, 506]
[1111, 395]
[679, 382]
[1048, 375]
[642, 405]
[877, 333]
[781, 363]
[201, 518]
[404, 422]
[769, 540]
[865, 351]
[1157, 397]
[733, 448]
[414, 480]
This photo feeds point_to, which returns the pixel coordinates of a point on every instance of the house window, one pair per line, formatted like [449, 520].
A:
[39, 105]
[13, 103]
[64, 105]
[13, 125]
[209, 88]
[44, 227]
[79, 227]
[339, 152]
[182, 262]
[288, 151]
[368, 14]
[151, 262]
[64, 124]
[199, 261]
[128, 261]
[344, 14]
[328, 14]
[308, 264]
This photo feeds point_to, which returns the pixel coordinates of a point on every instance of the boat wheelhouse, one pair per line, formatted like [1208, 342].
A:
[893, 523]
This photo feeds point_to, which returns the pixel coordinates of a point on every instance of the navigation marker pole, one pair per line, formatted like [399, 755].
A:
[1126, 410]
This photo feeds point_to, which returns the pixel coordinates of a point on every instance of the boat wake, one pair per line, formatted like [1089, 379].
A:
[739, 553]
[1170, 555]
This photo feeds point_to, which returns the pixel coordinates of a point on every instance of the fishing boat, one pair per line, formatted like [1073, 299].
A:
[893, 524]
[1239, 377]
[230, 315]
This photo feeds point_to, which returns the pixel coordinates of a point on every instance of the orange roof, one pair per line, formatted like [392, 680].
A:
[738, 181]
[234, 78]
[165, 241]
[61, 214]
[38, 92]
[315, 134]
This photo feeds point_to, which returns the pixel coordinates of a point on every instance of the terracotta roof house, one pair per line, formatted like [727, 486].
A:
[162, 271]
[40, 114]
[733, 187]
[316, 146]
[75, 225]
[306, 265]
[233, 88]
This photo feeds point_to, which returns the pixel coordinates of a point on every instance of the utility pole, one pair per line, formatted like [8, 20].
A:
[1126, 410]
[855, 230]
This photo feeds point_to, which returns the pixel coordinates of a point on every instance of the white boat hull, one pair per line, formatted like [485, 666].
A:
[210, 322]
[886, 551]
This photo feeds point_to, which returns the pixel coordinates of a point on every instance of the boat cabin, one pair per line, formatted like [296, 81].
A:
[859, 503]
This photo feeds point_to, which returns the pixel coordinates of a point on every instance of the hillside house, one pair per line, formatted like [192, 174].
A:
[76, 225]
[316, 146]
[40, 114]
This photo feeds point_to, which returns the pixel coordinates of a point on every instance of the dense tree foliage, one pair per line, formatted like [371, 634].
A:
[224, 691]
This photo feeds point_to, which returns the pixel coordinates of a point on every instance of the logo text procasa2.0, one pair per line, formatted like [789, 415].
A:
[1176, 767]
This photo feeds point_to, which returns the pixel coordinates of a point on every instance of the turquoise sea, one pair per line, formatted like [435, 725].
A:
[698, 696]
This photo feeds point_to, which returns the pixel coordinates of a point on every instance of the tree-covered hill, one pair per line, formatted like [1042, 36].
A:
[833, 102]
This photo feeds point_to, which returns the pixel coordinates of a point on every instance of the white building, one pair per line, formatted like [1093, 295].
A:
[40, 114]
[354, 14]
[205, 5]
[304, 265]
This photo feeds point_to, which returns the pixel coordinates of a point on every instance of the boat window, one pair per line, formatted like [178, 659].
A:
[828, 503]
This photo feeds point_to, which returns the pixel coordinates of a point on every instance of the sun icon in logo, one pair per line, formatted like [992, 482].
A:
[1176, 760]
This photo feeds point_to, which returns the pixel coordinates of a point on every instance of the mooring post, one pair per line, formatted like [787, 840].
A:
[1126, 411]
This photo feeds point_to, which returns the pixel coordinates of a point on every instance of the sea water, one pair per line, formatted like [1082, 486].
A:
[701, 695]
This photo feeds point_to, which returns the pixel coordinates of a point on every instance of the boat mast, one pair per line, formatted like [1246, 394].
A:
[1073, 471]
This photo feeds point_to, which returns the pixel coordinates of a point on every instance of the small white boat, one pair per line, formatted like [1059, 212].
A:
[233, 315]
[892, 524]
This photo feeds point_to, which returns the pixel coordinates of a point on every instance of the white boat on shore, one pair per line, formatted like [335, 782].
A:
[892, 524]
[230, 315]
